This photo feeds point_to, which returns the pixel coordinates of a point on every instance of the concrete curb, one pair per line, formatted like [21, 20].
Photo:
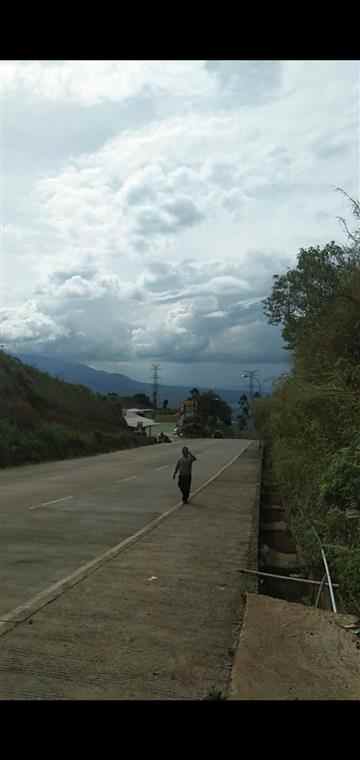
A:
[231, 691]
[254, 548]
[252, 585]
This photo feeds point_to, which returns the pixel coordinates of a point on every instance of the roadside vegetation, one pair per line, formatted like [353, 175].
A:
[43, 418]
[311, 424]
[212, 415]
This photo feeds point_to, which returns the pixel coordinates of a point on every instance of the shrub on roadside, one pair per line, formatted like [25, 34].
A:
[347, 575]
[311, 424]
[51, 442]
[340, 482]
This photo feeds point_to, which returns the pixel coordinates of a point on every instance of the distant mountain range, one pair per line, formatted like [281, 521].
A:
[111, 382]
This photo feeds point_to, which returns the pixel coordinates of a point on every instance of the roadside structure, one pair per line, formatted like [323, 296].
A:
[135, 418]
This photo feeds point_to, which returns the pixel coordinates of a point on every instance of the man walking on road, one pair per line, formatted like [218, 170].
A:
[184, 468]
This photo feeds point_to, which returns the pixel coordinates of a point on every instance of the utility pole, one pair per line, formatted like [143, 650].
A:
[251, 374]
[155, 378]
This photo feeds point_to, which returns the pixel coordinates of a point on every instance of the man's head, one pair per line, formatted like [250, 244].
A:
[185, 451]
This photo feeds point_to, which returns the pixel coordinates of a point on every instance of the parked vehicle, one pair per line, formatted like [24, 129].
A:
[163, 438]
[218, 434]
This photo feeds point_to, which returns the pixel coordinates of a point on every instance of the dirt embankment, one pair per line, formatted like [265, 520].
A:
[290, 651]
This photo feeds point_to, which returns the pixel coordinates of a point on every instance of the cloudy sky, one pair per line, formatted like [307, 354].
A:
[145, 206]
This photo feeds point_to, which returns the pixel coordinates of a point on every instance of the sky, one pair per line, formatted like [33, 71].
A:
[146, 205]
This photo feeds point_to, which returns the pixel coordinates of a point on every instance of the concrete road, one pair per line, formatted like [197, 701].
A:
[55, 517]
[159, 619]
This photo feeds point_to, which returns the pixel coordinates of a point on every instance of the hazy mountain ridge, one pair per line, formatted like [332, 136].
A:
[111, 382]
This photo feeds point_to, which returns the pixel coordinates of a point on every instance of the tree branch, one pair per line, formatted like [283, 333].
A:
[349, 234]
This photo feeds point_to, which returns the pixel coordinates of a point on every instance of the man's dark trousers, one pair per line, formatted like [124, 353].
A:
[184, 483]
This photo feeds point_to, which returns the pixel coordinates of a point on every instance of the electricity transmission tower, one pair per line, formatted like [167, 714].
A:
[251, 374]
[155, 379]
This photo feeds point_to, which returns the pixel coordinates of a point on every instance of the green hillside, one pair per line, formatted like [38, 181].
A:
[44, 418]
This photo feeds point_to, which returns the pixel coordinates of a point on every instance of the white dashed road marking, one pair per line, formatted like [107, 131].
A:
[47, 503]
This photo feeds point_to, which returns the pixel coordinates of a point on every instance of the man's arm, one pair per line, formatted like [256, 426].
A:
[176, 468]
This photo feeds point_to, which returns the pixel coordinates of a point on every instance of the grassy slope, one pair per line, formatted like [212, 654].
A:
[43, 418]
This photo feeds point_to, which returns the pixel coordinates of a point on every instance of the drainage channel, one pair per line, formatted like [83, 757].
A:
[277, 549]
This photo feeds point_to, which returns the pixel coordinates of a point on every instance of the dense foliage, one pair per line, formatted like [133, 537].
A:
[44, 418]
[312, 421]
[211, 413]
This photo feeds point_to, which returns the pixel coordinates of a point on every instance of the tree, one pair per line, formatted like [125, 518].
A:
[165, 403]
[115, 400]
[194, 395]
[243, 415]
[209, 411]
[353, 235]
[143, 399]
[334, 337]
[312, 420]
[299, 296]
[244, 404]
[212, 408]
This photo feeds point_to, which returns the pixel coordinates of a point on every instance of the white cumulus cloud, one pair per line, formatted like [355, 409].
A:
[145, 205]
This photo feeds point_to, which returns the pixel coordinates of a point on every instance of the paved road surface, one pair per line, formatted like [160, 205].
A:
[55, 517]
[159, 619]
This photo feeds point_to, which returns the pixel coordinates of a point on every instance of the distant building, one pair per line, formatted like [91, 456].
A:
[135, 419]
[188, 409]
